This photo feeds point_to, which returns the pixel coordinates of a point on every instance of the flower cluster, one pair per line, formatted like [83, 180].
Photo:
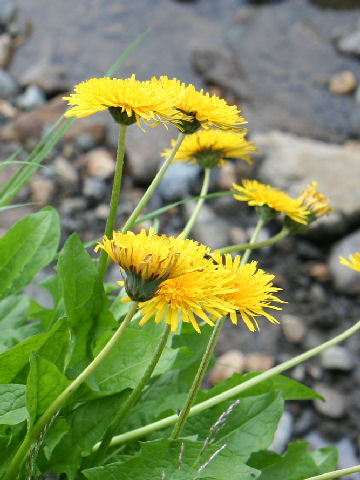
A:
[164, 99]
[211, 148]
[176, 278]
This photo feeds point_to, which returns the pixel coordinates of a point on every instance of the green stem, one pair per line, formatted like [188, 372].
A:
[115, 194]
[46, 417]
[253, 238]
[197, 380]
[200, 203]
[101, 450]
[228, 394]
[247, 246]
[336, 473]
[208, 352]
[152, 187]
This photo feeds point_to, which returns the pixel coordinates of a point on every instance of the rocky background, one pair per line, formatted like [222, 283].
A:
[293, 68]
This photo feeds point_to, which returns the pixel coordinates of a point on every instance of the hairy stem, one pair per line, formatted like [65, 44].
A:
[115, 194]
[200, 202]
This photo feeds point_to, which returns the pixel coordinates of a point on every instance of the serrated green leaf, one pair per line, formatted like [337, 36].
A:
[85, 301]
[12, 404]
[26, 248]
[297, 463]
[45, 382]
[175, 460]
[292, 390]
[249, 427]
[87, 425]
[52, 345]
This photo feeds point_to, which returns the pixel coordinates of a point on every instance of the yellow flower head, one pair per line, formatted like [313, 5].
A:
[148, 259]
[198, 293]
[257, 194]
[315, 202]
[353, 262]
[210, 148]
[128, 100]
[201, 109]
[254, 291]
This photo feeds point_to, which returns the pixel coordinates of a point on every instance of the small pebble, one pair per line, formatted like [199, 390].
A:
[348, 457]
[32, 97]
[94, 188]
[226, 365]
[337, 358]
[42, 190]
[68, 174]
[342, 83]
[334, 405]
[8, 86]
[259, 361]
[293, 327]
[100, 163]
[69, 206]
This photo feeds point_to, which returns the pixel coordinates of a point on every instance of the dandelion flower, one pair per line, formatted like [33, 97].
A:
[201, 109]
[196, 294]
[148, 259]
[254, 291]
[210, 148]
[128, 100]
[257, 194]
[315, 202]
[353, 262]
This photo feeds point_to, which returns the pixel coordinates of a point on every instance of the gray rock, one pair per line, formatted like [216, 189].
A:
[283, 433]
[316, 440]
[94, 188]
[32, 97]
[85, 141]
[209, 229]
[8, 87]
[350, 43]
[69, 206]
[273, 88]
[99, 163]
[178, 181]
[338, 358]
[143, 150]
[67, 173]
[345, 279]
[348, 457]
[294, 162]
[50, 77]
[293, 327]
[7, 12]
[317, 295]
[334, 405]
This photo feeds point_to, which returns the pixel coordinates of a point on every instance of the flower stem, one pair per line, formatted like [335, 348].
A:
[152, 187]
[336, 473]
[247, 246]
[115, 194]
[200, 203]
[198, 379]
[46, 417]
[135, 394]
[208, 353]
[228, 394]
